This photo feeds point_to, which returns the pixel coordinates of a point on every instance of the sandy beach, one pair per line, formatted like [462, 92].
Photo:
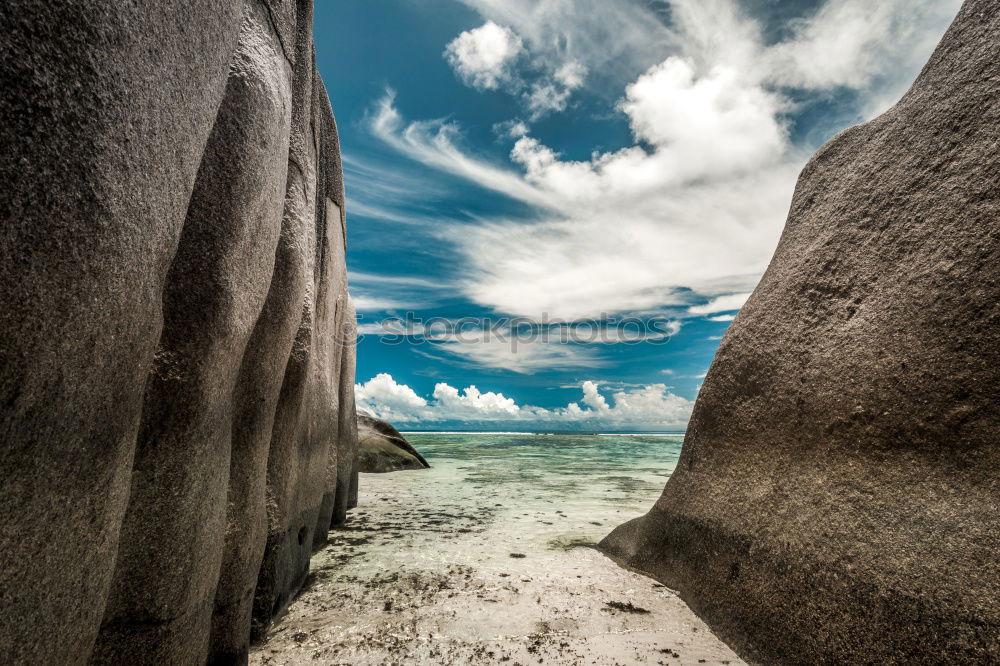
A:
[446, 566]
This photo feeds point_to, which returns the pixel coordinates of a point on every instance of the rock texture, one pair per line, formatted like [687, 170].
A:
[836, 501]
[174, 326]
[382, 449]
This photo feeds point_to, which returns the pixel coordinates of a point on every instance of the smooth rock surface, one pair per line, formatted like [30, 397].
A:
[170, 553]
[381, 448]
[836, 501]
[173, 320]
[104, 119]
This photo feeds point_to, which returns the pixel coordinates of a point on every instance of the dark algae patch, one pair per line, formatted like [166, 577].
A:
[626, 607]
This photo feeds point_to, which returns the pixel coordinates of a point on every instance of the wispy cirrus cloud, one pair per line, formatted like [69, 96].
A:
[688, 215]
[520, 346]
[435, 144]
[626, 230]
[374, 292]
[525, 358]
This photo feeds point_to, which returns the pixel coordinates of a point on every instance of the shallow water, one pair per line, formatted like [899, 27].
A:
[588, 479]
[487, 558]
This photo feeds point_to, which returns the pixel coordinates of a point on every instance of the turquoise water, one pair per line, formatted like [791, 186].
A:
[602, 477]
[487, 495]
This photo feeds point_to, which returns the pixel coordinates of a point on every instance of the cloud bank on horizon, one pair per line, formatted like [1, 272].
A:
[650, 408]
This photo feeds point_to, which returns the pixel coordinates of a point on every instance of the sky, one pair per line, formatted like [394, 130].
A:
[557, 207]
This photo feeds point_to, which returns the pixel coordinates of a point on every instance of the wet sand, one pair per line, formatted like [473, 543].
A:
[435, 568]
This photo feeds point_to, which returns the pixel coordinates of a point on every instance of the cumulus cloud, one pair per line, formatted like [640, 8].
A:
[692, 211]
[710, 125]
[511, 129]
[592, 397]
[473, 403]
[651, 407]
[485, 58]
[571, 74]
[383, 397]
[482, 57]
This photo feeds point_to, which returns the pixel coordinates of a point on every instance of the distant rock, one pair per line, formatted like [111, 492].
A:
[836, 498]
[382, 449]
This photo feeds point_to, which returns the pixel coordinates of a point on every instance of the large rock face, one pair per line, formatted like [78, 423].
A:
[836, 500]
[174, 325]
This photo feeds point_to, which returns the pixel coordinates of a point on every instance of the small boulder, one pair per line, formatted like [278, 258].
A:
[382, 449]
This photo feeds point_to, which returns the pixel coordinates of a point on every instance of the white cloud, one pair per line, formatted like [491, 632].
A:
[854, 43]
[545, 98]
[626, 230]
[483, 56]
[571, 74]
[651, 407]
[620, 37]
[393, 327]
[383, 397]
[379, 182]
[710, 125]
[721, 304]
[501, 347]
[472, 403]
[701, 208]
[592, 397]
[511, 129]
[725, 317]
[434, 143]
[551, 94]
[699, 200]
[876, 46]
[364, 303]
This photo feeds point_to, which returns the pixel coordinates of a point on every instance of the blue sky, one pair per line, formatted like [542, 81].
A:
[563, 203]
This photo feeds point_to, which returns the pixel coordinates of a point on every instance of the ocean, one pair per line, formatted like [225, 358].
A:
[601, 478]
